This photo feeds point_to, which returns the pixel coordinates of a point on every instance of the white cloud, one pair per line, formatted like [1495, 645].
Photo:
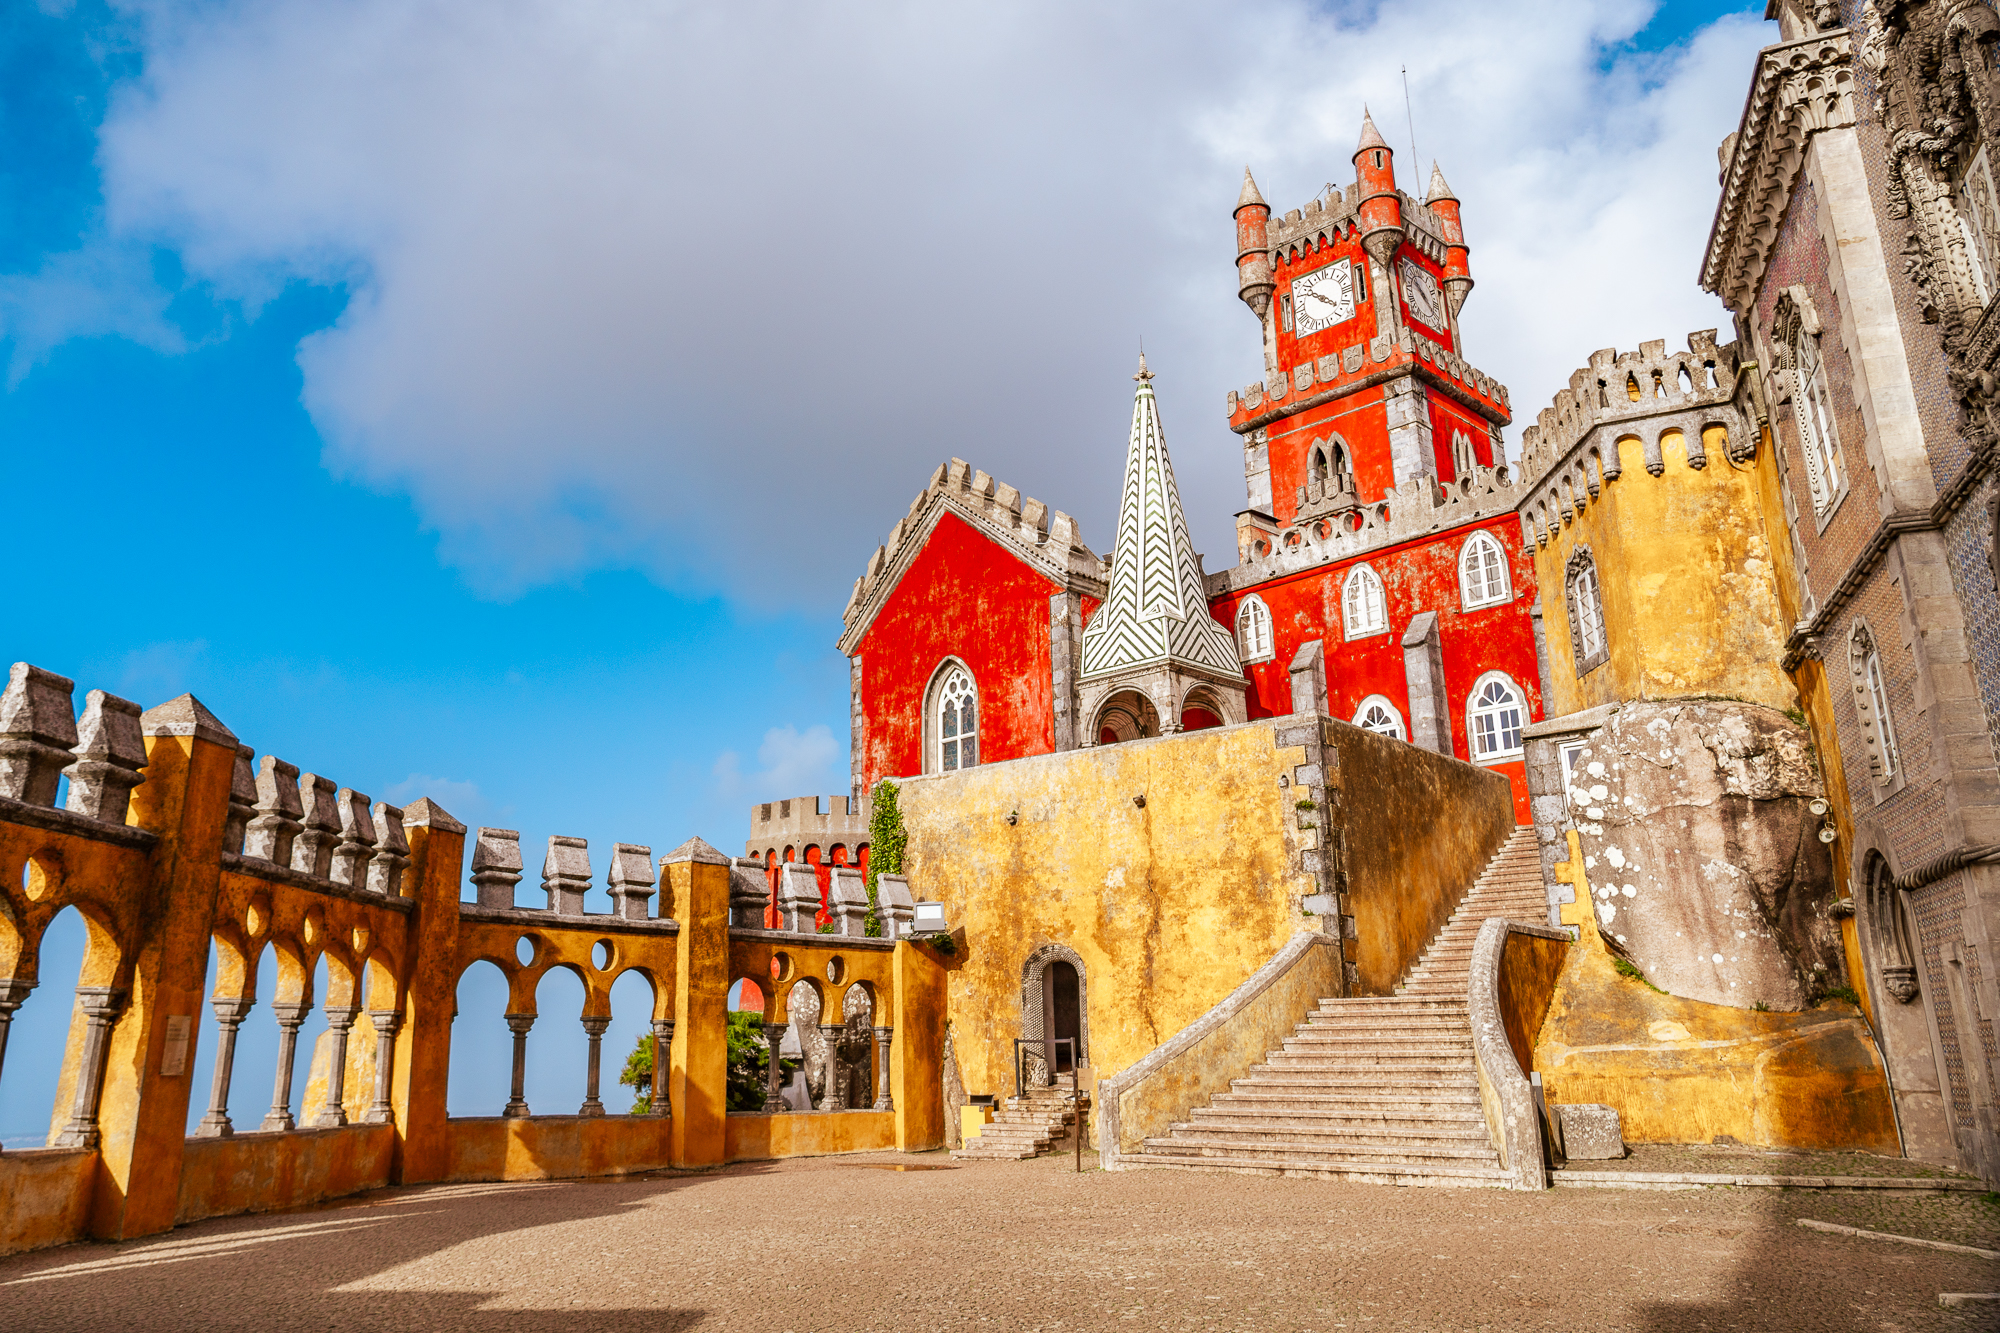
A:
[101, 288]
[711, 289]
[790, 763]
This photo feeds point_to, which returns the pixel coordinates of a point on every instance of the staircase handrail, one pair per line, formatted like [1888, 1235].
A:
[1504, 1090]
[1112, 1091]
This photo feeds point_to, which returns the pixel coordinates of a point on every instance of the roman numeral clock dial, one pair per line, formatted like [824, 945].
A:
[1420, 294]
[1324, 297]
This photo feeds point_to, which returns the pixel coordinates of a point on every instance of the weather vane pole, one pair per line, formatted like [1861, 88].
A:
[1410, 116]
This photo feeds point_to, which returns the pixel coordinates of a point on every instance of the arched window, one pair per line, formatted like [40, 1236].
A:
[1586, 612]
[954, 722]
[1871, 703]
[1253, 630]
[1796, 328]
[1463, 459]
[1379, 715]
[1366, 610]
[1321, 474]
[1494, 716]
[1482, 572]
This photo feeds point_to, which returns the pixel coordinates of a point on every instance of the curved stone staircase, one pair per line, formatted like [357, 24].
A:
[1379, 1089]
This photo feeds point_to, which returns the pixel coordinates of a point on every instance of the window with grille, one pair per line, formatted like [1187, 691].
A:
[1586, 613]
[1377, 714]
[957, 721]
[1482, 572]
[1871, 699]
[1253, 630]
[1495, 716]
[1814, 414]
[1366, 609]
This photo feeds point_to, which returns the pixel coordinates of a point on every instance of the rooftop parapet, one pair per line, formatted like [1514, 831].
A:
[804, 820]
[1369, 360]
[1048, 537]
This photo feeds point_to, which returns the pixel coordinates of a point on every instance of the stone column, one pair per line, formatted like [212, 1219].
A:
[101, 1005]
[883, 1101]
[386, 1021]
[338, 1023]
[658, 1102]
[229, 1015]
[774, 1077]
[290, 1017]
[517, 1105]
[831, 1096]
[591, 1103]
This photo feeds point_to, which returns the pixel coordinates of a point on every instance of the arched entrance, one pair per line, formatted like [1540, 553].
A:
[1055, 1013]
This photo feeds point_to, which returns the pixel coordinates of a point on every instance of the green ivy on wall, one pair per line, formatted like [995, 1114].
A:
[886, 841]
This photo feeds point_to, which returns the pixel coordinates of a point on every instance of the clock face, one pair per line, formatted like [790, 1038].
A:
[1323, 298]
[1420, 294]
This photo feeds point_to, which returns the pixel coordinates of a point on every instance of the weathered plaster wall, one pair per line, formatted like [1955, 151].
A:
[1170, 905]
[1690, 598]
[47, 1192]
[260, 1173]
[1530, 966]
[964, 596]
[1416, 830]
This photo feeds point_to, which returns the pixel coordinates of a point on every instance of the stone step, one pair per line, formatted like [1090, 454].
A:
[1285, 1062]
[1445, 1042]
[1208, 1145]
[1318, 1083]
[1432, 1120]
[1382, 1173]
[1417, 1022]
[1440, 1101]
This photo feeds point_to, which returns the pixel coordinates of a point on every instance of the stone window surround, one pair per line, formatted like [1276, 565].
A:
[1349, 630]
[1792, 319]
[1482, 538]
[1887, 772]
[1388, 705]
[1243, 643]
[1579, 561]
[933, 757]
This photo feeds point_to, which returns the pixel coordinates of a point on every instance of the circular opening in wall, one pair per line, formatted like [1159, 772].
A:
[38, 878]
[836, 968]
[524, 950]
[782, 967]
[1352, 518]
[1292, 540]
[1261, 548]
[603, 954]
[1322, 529]
[255, 917]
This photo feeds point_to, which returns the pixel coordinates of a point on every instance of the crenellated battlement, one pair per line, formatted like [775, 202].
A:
[1365, 362]
[806, 820]
[1648, 395]
[1048, 537]
[1336, 216]
[1420, 508]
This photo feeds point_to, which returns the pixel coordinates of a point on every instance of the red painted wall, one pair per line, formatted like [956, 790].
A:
[967, 596]
[1416, 577]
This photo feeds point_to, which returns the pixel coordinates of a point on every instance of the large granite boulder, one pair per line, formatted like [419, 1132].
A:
[1703, 857]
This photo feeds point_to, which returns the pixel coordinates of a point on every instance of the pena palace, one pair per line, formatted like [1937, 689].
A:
[1378, 529]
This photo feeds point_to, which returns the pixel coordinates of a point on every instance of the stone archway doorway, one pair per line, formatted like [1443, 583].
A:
[1062, 1017]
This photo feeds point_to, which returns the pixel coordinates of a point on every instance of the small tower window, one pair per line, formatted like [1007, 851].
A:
[1285, 313]
[1482, 572]
[1586, 612]
[1495, 716]
[956, 720]
[1360, 282]
[1463, 458]
[1366, 609]
[1253, 630]
[1378, 715]
[1320, 472]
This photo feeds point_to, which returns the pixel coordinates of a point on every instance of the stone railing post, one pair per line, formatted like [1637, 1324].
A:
[798, 898]
[883, 1101]
[242, 800]
[275, 826]
[14, 992]
[229, 1016]
[339, 1022]
[631, 880]
[110, 751]
[312, 849]
[749, 893]
[658, 1103]
[496, 866]
[290, 1018]
[382, 1111]
[392, 852]
[566, 874]
[37, 731]
[594, 1028]
[517, 1104]
[357, 840]
[833, 1094]
[101, 1006]
[774, 1077]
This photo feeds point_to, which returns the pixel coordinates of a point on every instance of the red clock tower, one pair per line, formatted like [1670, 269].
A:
[1380, 517]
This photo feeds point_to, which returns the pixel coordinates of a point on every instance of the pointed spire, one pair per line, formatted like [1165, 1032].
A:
[1156, 613]
[1250, 195]
[1439, 190]
[1370, 136]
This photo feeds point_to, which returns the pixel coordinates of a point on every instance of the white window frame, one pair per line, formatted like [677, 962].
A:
[1569, 757]
[1482, 542]
[1388, 706]
[942, 681]
[1474, 711]
[1256, 640]
[1374, 603]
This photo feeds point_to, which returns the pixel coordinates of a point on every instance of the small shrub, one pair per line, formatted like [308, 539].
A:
[943, 943]
[1846, 993]
[1306, 803]
[1761, 1007]
[1627, 968]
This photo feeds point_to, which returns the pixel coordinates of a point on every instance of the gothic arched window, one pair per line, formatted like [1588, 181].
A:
[1871, 704]
[1482, 572]
[1463, 458]
[954, 722]
[1379, 715]
[1253, 630]
[1586, 612]
[1797, 329]
[1365, 608]
[1494, 716]
[1321, 473]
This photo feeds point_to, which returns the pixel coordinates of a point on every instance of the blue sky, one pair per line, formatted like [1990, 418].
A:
[499, 411]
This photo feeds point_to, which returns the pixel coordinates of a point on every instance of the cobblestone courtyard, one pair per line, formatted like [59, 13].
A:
[854, 1243]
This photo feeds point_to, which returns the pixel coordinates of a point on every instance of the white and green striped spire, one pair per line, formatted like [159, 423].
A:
[1157, 611]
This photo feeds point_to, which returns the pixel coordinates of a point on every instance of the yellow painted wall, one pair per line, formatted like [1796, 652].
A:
[1681, 1071]
[1691, 604]
[258, 1173]
[46, 1193]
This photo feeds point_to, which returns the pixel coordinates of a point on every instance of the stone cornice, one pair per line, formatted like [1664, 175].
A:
[1800, 88]
[995, 510]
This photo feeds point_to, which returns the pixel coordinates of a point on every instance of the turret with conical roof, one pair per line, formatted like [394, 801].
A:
[1457, 269]
[1154, 636]
[1381, 207]
[1253, 252]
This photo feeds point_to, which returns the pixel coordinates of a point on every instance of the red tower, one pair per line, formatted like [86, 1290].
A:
[1380, 516]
